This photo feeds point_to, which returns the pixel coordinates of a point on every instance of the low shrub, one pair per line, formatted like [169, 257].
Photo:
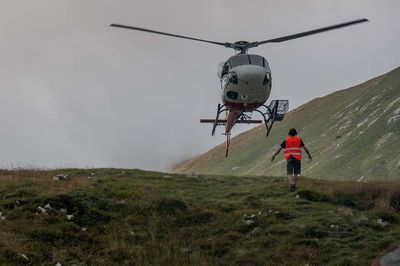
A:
[197, 217]
[168, 206]
[87, 208]
[387, 215]
[51, 235]
[313, 231]
[394, 199]
[312, 195]
[348, 200]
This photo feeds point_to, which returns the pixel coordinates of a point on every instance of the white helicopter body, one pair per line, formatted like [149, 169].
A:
[245, 81]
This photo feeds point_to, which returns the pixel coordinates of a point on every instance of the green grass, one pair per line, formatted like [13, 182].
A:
[133, 217]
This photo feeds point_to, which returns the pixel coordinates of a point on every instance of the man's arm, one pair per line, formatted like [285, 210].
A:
[276, 153]
[308, 152]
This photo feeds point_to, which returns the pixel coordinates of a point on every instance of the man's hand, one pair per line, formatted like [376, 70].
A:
[308, 152]
[276, 153]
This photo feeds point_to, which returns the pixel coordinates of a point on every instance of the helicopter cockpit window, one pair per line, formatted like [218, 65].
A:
[265, 63]
[247, 59]
[239, 60]
[256, 60]
[225, 69]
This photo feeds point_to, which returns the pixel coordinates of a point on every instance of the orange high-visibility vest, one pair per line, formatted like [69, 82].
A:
[293, 147]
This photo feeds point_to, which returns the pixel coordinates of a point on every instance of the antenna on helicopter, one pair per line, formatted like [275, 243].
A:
[242, 46]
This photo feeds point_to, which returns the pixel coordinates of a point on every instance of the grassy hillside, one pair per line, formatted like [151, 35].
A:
[352, 134]
[132, 217]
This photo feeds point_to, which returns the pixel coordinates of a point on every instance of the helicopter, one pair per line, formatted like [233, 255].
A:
[246, 81]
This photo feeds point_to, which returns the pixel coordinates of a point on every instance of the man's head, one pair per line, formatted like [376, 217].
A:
[292, 132]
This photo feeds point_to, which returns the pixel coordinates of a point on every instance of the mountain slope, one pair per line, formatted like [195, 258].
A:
[352, 134]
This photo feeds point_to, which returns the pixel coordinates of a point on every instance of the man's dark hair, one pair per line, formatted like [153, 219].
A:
[292, 132]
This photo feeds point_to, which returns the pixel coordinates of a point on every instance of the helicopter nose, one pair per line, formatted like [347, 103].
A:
[251, 75]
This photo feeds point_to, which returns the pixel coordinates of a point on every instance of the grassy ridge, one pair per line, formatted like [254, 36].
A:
[352, 134]
[133, 217]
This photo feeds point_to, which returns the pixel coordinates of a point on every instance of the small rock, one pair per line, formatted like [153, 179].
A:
[259, 212]
[249, 217]
[25, 257]
[334, 226]
[58, 264]
[345, 212]
[297, 196]
[83, 229]
[69, 217]
[192, 175]
[382, 223]
[249, 222]
[92, 174]
[186, 250]
[2, 218]
[60, 177]
[63, 210]
[48, 206]
[43, 210]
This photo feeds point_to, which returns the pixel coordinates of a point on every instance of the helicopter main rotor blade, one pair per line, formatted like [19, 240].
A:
[167, 34]
[306, 33]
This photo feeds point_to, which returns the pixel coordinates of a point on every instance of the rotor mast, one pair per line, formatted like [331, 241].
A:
[240, 46]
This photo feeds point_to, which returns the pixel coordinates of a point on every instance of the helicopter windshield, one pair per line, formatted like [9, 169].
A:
[247, 59]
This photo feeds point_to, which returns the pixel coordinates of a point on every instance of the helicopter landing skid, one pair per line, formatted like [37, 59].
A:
[274, 112]
[243, 119]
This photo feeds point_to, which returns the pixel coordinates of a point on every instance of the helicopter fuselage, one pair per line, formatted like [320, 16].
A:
[245, 82]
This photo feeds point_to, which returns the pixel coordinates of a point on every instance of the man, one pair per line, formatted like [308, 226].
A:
[292, 145]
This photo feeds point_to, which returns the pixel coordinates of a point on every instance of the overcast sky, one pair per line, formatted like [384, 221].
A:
[76, 93]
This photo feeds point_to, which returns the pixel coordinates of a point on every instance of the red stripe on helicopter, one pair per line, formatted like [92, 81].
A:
[223, 121]
[242, 106]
